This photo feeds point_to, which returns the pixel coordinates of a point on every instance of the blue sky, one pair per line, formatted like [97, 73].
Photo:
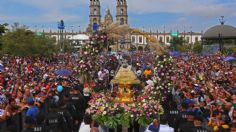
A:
[196, 15]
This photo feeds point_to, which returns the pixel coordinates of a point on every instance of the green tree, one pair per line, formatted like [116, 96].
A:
[177, 42]
[147, 48]
[140, 48]
[197, 47]
[132, 48]
[23, 42]
[183, 48]
[68, 47]
[3, 29]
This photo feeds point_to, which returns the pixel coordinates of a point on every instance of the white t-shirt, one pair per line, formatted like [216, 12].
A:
[166, 128]
[84, 128]
[163, 128]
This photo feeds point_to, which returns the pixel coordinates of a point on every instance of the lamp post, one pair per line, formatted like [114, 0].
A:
[164, 35]
[191, 34]
[184, 35]
[72, 32]
[61, 27]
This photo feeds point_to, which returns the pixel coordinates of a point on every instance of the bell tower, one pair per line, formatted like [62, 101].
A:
[121, 12]
[95, 13]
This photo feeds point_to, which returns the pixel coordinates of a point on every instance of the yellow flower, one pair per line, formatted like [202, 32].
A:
[102, 108]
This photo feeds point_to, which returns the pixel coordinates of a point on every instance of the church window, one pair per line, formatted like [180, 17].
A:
[95, 12]
[122, 11]
[122, 21]
[94, 20]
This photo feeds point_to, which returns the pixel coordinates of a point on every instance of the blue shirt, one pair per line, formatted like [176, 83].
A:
[32, 112]
[153, 129]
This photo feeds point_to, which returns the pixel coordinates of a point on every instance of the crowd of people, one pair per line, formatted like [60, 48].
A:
[202, 95]
[45, 100]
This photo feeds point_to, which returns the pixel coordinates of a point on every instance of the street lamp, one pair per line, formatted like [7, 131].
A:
[191, 33]
[61, 27]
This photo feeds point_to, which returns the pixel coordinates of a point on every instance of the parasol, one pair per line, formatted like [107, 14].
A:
[63, 72]
[230, 59]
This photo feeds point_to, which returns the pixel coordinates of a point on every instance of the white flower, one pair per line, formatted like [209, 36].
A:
[132, 115]
[104, 113]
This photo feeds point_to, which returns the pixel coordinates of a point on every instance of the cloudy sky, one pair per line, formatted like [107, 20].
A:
[196, 15]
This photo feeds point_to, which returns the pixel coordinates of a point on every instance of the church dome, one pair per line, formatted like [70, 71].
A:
[224, 31]
[108, 17]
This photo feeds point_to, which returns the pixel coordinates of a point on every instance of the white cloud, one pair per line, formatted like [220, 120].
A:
[206, 8]
[54, 10]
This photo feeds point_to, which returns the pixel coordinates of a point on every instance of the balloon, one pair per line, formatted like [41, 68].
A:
[59, 88]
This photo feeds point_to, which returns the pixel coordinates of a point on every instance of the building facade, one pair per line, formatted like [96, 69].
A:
[164, 38]
[95, 14]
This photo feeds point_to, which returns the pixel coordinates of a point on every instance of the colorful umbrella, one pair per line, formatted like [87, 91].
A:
[230, 59]
[63, 72]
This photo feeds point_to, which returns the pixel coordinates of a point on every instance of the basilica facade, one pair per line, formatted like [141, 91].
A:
[96, 18]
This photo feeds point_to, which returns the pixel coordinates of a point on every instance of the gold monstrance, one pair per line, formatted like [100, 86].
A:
[125, 77]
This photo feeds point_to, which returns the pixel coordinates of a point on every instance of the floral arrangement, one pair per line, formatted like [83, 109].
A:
[89, 56]
[111, 114]
[165, 70]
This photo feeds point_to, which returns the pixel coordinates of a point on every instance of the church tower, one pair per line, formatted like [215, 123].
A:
[95, 13]
[121, 12]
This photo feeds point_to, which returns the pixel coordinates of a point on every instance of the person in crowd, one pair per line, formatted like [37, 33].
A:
[40, 123]
[198, 125]
[33, 110]
[67, 117]
[78, 104]
[233, 127]
[164, 127]
[29, 125]
[154, 126]
[185, 127]
[86, 124]
[54, 121]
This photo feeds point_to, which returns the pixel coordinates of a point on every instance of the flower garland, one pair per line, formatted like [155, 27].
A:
[164, 71]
